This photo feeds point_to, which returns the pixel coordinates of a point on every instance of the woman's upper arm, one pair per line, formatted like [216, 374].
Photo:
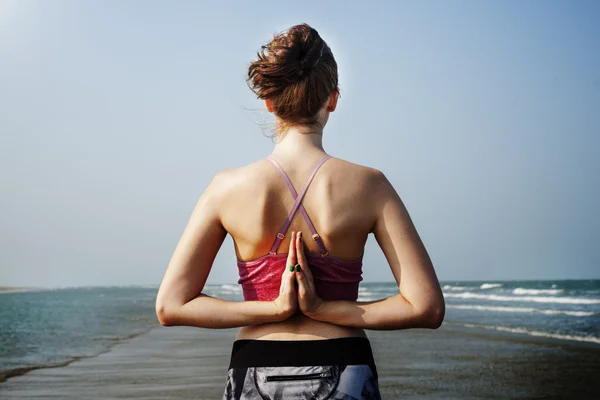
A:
[194, 255]
[404, 250]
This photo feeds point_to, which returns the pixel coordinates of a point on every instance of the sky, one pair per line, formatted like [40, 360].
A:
[115, 116]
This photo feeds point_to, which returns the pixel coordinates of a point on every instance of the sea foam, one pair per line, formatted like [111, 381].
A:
[521, 310]
[537, 291]
[577, 338]
[456, 288]
[490, 285]
[537, 299]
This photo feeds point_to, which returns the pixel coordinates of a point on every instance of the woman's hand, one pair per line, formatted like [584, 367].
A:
[309, 301]
[287, 302]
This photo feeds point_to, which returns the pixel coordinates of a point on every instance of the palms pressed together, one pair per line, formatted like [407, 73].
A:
[297, 290]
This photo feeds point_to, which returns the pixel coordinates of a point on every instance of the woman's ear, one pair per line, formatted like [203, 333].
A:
[333, 98]
[269, 105]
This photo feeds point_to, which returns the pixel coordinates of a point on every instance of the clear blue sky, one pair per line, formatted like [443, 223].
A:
[115, 115]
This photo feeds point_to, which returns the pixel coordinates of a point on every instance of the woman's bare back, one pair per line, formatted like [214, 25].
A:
[346, 202]
[340, 202]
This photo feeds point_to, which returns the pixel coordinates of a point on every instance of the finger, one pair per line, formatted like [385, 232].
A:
[301, 256]
[306, 282]
[287, 278]
[288, 281]
[291, 259]
[288, 285]
[290, 278]
[303, 288]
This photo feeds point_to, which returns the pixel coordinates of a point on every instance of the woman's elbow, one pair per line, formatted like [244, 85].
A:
[433, 315]
[165, 314]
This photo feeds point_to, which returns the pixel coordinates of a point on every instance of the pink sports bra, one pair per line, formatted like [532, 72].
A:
[335, 279]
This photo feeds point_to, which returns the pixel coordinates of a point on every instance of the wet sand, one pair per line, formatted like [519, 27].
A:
[189, 363]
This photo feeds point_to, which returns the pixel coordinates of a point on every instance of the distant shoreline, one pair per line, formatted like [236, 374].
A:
[7, 289]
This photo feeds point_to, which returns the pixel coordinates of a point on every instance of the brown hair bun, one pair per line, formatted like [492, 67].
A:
[297, 72]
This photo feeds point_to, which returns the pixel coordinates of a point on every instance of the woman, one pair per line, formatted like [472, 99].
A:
[302, 330]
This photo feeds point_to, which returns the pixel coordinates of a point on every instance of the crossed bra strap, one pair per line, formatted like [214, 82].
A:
[298, 205]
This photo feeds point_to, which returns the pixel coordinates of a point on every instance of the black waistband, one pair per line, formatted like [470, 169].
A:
[282, 353]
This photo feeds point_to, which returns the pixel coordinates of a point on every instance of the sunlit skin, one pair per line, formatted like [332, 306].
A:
[346, 202]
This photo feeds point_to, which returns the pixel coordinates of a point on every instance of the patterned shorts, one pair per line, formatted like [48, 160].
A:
[341, 369]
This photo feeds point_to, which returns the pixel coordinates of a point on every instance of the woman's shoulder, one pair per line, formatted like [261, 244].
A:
[232, 178]
[244, 175]
[340, 170]
[365, 176]
[357, 168]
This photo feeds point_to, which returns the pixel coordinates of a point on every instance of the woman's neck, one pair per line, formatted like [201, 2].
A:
[299, 141]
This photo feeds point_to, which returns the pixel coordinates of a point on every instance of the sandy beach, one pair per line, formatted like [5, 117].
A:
[189, 363]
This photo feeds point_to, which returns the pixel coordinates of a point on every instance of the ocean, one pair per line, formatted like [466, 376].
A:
[51, 328]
